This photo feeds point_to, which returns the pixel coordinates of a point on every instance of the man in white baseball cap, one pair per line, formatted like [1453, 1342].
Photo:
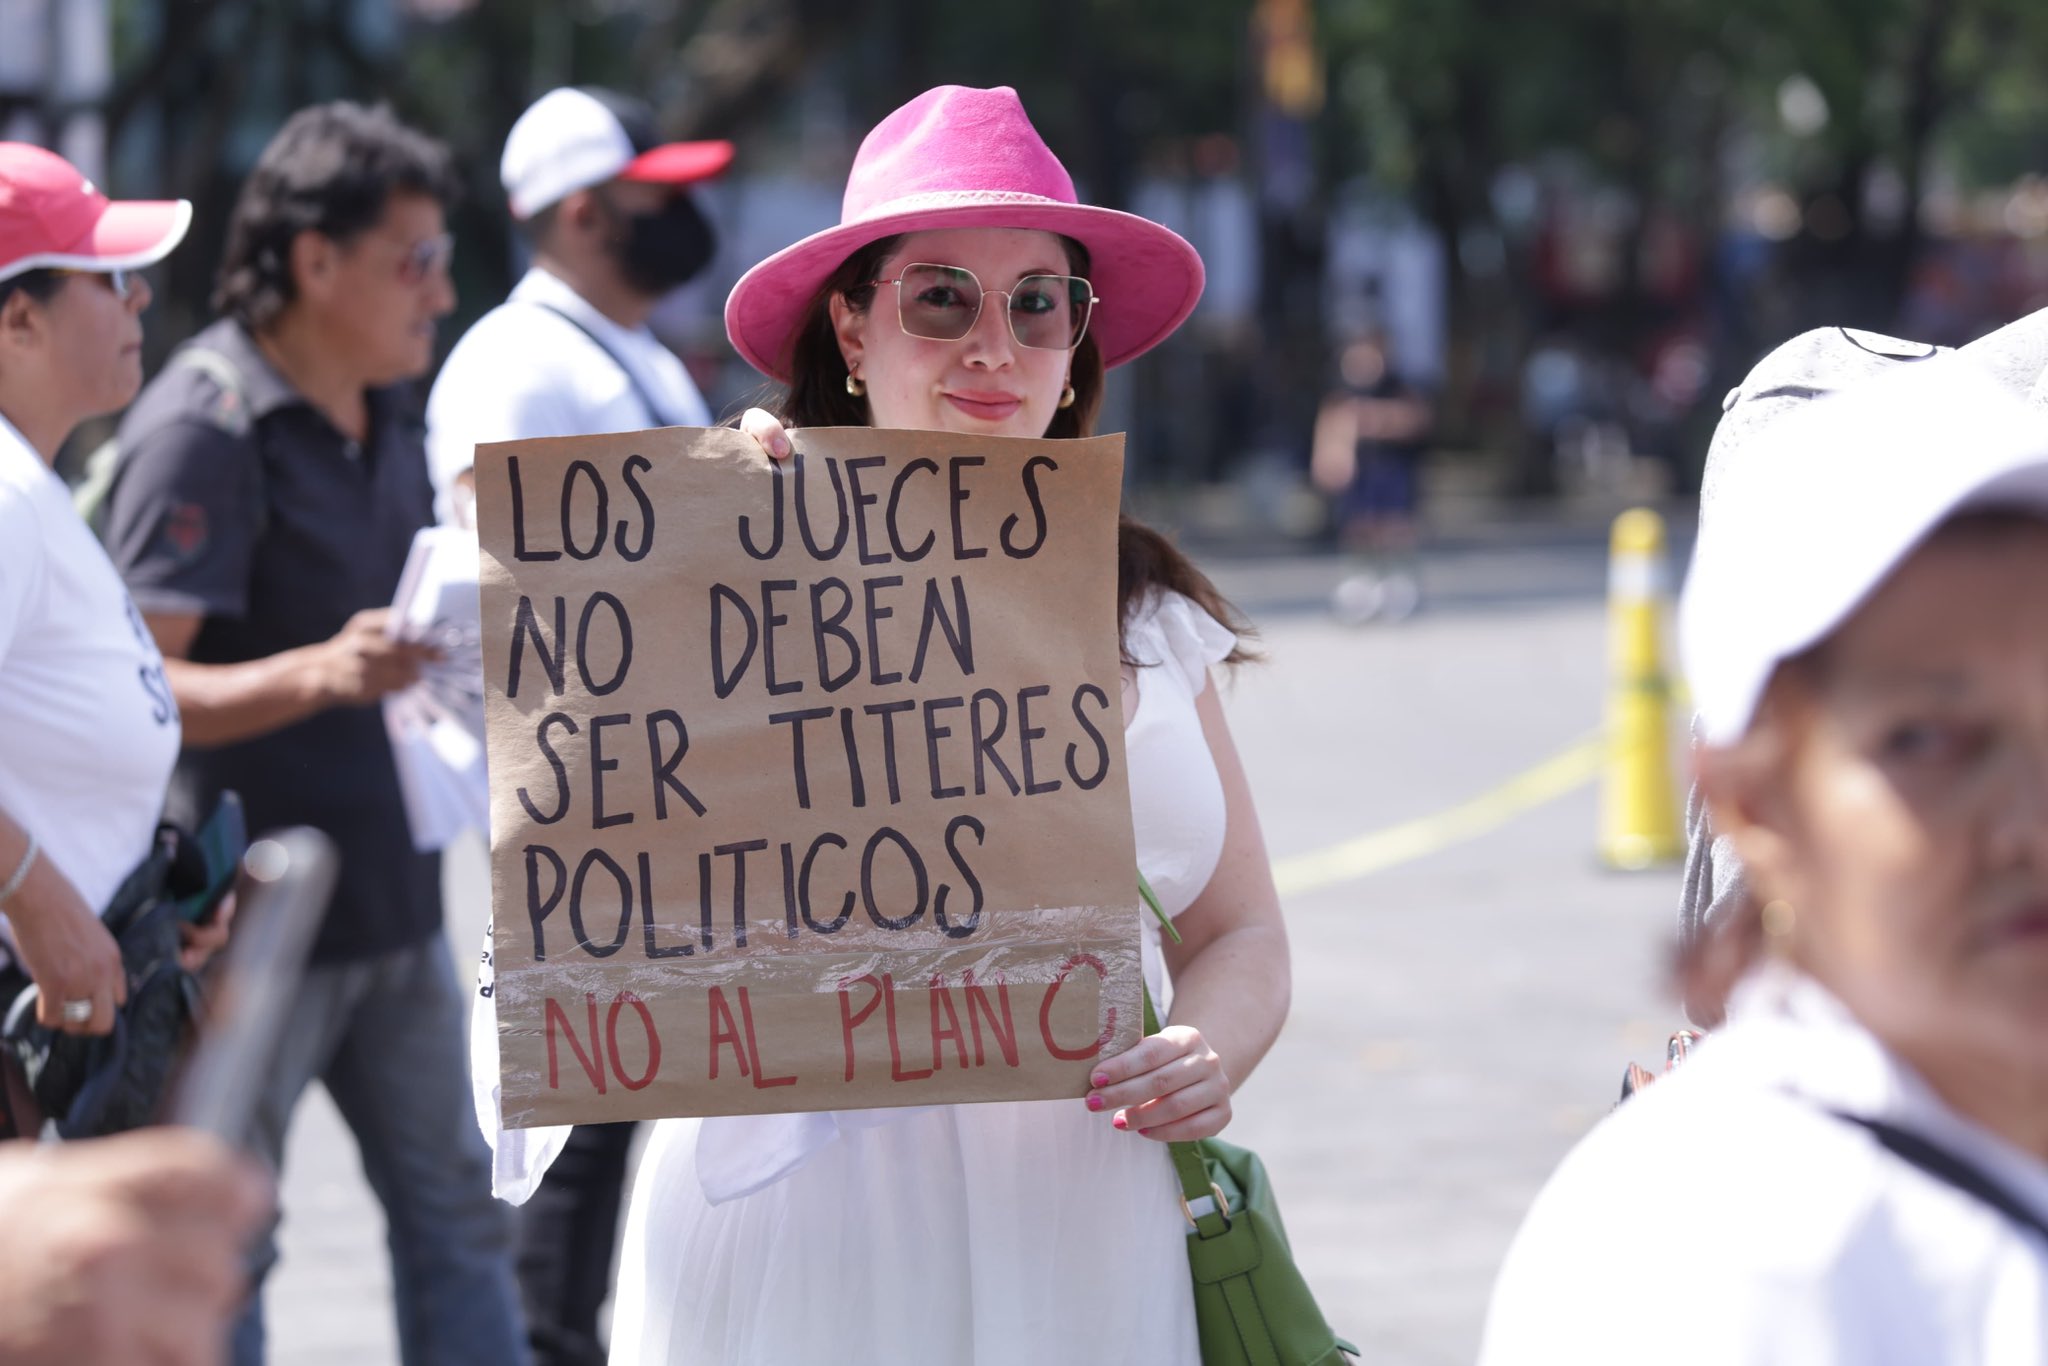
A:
[609, 215]
[613, 227]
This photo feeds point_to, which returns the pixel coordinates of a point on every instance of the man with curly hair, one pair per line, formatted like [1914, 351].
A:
[269, 483]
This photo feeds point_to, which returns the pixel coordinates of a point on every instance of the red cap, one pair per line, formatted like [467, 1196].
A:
[679, 163]
[581, 136]
[52, 216]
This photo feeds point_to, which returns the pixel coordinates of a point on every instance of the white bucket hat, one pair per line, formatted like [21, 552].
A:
[1827, 498]
[1830, 359]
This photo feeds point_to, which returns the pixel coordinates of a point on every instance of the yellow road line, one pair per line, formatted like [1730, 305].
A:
[1370, 853]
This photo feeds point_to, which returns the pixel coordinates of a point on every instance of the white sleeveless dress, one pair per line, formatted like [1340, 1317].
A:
[1004, 1234]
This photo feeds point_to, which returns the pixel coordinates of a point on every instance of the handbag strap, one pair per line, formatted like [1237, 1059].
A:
[655, 414]
[1202, 1201]
[1945, 1165]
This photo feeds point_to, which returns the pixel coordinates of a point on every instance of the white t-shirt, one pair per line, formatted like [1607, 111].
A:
[526, 370]
[1725, 1218]
[88, 728]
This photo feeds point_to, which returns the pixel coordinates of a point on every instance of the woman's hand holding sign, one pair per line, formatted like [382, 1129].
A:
[762, 425]
[1171, 1087]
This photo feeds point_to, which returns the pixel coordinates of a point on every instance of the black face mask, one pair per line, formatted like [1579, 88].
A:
[661, 250]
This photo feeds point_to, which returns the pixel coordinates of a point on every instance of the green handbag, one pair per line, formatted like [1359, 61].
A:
[1252, 1307]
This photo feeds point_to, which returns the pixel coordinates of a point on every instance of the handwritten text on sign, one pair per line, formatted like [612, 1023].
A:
[807, 779]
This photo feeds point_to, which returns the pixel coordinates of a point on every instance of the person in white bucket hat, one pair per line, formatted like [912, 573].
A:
[1810, 365]
[1855, 1170]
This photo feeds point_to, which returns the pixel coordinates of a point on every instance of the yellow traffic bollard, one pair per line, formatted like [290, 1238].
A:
[1639, 820]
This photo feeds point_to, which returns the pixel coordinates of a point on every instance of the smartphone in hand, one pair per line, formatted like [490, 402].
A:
[217, 850]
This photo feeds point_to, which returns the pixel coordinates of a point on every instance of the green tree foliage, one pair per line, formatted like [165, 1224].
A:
[1671, 101]
[1114, 84]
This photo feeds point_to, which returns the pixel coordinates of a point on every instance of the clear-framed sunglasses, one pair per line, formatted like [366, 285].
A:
[943, 303]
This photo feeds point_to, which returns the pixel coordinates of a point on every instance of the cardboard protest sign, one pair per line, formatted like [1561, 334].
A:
[807, 778]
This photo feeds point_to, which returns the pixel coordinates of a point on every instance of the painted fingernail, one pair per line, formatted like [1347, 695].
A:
[1119, 1122]
[1099, 1079]
[1144, 1133]
[1095, 1102]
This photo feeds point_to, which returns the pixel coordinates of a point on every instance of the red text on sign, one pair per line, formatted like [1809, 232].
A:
[602, 1047]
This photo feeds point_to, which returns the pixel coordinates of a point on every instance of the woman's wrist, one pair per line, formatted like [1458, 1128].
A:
[46, 896]
[17, 879]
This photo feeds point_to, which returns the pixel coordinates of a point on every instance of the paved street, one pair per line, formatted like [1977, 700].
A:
[1458, 1019]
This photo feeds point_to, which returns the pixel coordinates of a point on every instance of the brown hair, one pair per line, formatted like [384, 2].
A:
[1146, 560]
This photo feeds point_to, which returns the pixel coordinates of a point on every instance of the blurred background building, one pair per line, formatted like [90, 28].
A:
[1577, 221]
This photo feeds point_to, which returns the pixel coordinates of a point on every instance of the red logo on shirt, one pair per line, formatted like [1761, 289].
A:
[185, 529]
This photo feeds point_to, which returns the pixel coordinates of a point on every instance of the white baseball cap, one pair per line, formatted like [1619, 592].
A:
[573, 138]
[1825, 503]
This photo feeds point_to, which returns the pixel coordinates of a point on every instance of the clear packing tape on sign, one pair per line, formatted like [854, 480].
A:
[808, 787]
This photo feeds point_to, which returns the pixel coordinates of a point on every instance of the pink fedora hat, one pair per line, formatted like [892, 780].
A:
[957, 157]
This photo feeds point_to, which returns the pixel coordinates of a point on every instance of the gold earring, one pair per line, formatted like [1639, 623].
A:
[1067, 397]
[855, 385]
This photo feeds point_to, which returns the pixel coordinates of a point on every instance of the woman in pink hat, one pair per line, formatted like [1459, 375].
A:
[91, 729]
[965, 290]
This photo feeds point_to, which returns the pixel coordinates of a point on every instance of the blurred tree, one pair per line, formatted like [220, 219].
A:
[204, 84]
[1847, 105]
[1113, 83]
[1860, 112]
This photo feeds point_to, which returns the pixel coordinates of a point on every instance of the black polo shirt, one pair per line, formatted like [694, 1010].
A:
[244, 504]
